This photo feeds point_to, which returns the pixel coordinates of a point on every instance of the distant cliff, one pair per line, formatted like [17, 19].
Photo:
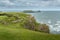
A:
[30, 11]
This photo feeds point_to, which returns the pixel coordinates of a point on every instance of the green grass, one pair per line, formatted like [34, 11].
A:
[24, 34]
[17, 32]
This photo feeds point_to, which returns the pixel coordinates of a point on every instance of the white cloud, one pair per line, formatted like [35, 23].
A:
[44, 3]
[7, 2]
[29, 3]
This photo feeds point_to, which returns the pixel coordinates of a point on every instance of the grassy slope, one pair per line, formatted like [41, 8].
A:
[8, 32]
[24, 34]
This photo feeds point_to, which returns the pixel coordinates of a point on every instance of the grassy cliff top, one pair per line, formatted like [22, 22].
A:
[13, 26]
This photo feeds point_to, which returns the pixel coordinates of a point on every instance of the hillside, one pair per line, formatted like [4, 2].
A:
[21, 26]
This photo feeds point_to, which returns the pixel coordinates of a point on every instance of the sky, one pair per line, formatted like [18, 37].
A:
[30, 4]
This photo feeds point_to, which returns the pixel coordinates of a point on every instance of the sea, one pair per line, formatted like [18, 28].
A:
[51, 18]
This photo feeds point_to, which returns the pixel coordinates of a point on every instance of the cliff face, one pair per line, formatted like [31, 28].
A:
[43, 28]
[23, 20]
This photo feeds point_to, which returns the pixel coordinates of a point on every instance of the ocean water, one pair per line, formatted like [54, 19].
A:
[51, 18]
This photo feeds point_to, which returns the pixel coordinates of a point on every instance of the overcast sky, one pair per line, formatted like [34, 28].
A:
[32, 4]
